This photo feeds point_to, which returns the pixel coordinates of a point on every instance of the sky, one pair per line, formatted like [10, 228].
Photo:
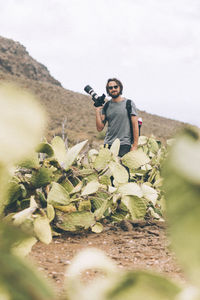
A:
[152, 46]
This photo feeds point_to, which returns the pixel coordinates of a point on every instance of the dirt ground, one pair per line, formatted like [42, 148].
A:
[138, 245]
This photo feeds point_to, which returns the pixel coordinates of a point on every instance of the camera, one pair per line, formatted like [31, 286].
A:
[98, 100]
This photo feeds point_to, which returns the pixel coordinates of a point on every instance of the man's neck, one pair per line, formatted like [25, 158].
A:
[118, 99]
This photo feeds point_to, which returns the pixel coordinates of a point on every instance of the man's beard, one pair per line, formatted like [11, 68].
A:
[114, 96]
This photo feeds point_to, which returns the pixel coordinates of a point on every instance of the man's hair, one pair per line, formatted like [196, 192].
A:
[118, 82]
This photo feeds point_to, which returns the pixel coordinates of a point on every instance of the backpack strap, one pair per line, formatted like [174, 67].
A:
[128, 106]
[129, 109]
[105, 107]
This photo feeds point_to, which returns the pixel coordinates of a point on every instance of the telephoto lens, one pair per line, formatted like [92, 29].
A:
[88, 89]
[98, 101]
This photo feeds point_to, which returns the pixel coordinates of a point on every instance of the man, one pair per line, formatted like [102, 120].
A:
[117, 117]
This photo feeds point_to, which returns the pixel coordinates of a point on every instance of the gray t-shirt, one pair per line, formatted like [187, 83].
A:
[118, 122]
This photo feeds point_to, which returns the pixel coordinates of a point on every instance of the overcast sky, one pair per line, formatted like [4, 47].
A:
[152, 46]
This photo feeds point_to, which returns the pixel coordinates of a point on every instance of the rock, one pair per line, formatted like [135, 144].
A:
[126, 225]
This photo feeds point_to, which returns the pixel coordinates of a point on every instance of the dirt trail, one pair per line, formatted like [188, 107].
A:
[131, 245]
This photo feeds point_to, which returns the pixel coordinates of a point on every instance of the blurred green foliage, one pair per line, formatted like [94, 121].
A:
[21, 125]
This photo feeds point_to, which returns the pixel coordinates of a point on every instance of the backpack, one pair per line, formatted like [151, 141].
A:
[128, 107]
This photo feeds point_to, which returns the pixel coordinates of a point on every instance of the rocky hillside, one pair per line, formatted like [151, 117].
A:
[64, 106]
[15, 60]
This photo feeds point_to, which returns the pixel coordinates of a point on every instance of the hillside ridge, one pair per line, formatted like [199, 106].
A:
[74, 109]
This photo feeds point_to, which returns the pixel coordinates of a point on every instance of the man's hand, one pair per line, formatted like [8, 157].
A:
[133, 147]
[134, 121]
[100, 101]
[98, 108]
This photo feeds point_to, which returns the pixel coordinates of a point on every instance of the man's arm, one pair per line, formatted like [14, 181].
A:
[134, 120]
[99, 119]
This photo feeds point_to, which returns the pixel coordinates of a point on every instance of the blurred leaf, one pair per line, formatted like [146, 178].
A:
[41, 177]
[145, 149]
[50, 212]
[84, 205]
[115, 147]
[91, 188]
[4, 294]
[25, 214]
[170, 142]
[97, 228]
[136, 206]
[92, 154]
[135, 159]
[92, 177]
[118, 216]
[90, 258]
[15, 191]
[149, 193]
[187, 164]
[105, 179]
[142, 285]
[142, 140]
[77, 188]
[154, 214]
[119, 173]
[68, 185]
[85, 172]
[72, 154]
[30, 162]
[130, 188]
[115, 285]
[152, 175]
[93, 259]
[101, 193]
[101, 207]
[97, 202]
[45, 148]
[102, 159]
[24, 247]
[75, 221]
[17, 277]
[66, 208]
[58, 195]
[182, 191]
[21, 123]
[42, 229]
[153, 145]
[21, 281]
[60, 152]
[4, 179]
[189, 293]
[146, 167]
[158, 182]
[41, 196]
[74, 181]
[112, 189]
[10, 235]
